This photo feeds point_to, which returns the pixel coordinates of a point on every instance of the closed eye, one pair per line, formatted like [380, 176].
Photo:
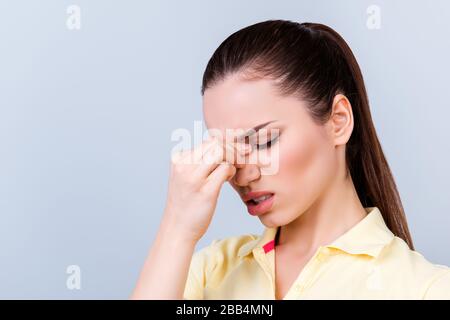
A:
[267, 145]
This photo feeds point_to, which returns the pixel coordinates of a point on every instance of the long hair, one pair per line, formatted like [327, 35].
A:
[313, 62]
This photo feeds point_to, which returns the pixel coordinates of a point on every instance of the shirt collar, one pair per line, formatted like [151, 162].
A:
[369, 236]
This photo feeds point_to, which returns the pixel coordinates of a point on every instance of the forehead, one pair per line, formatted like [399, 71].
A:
[236, 103]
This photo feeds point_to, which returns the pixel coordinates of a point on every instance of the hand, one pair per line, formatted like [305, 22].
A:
[196, 177]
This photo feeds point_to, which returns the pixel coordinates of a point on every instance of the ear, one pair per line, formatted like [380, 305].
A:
[341, 120]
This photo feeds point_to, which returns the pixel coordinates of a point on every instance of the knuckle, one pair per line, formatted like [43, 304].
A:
[177, 167]
[211, 156]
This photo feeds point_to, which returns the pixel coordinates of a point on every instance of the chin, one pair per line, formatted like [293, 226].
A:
[271, 220]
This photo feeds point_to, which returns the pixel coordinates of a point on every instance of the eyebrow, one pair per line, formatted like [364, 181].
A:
[254, 129]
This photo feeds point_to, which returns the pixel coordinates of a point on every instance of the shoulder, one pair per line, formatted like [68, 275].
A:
[222, 253]
[439, 286]
[211, 263]
[430, 280]
[226, 248]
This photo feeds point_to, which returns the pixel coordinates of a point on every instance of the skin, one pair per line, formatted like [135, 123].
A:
[196, 178]
[311, 168]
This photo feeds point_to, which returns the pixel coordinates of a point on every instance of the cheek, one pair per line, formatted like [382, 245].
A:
[305, 167]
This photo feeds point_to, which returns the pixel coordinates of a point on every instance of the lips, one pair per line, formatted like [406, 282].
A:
[255, 194]
[257, 208]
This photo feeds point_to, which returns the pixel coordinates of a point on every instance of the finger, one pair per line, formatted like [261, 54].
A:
[178, 156]
[224, 172]
[194, 156]
[230, 153]
[243, 149]
[235, 152]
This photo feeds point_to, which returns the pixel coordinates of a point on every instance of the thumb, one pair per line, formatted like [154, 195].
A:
[224, 172]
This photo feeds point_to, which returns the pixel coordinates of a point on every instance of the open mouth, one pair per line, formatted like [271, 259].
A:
[259, 200]
[260, 205]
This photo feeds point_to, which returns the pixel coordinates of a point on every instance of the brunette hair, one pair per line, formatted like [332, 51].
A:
[313, 62]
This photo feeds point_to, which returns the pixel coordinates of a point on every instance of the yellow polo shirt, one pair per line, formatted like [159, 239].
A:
[366, 262]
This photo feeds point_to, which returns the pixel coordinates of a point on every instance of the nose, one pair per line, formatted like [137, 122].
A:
[247, 168]
[245, 174]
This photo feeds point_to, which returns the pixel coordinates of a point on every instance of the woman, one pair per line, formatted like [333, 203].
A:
[334, 223]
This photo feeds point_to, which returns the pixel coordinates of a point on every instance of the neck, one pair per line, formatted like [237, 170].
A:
[337, 211]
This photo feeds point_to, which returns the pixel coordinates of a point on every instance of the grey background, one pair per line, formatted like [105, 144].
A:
[86, 119]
